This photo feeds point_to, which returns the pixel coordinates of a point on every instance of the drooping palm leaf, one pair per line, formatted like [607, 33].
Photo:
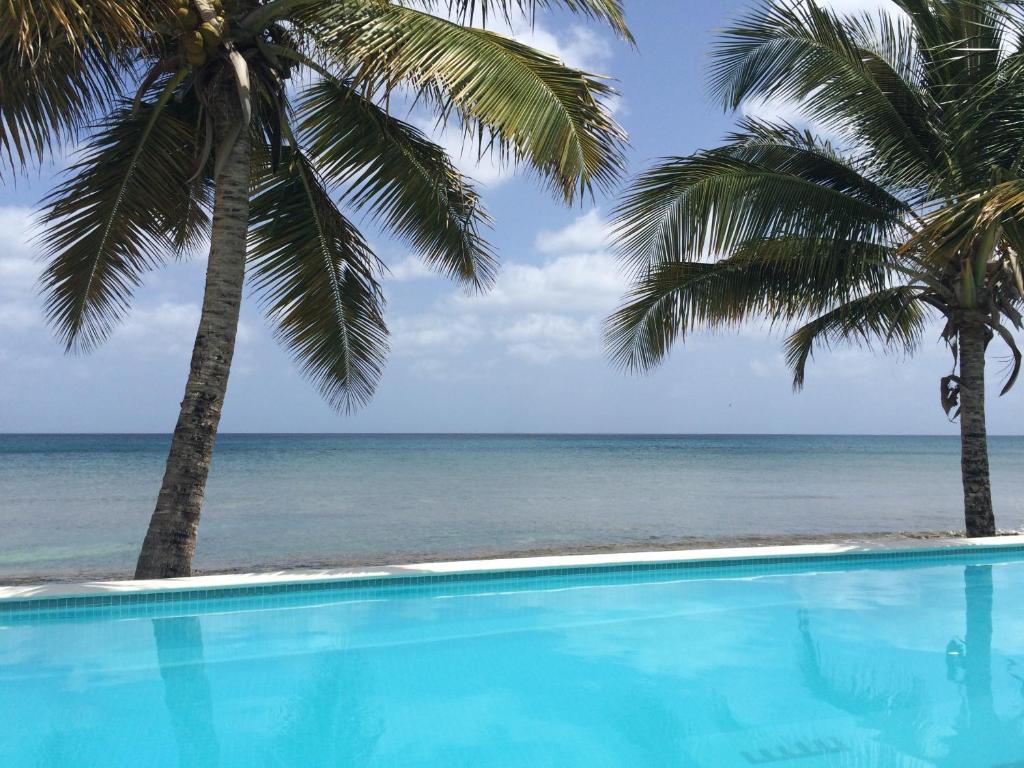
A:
[464, 11]
[520, 100]
[60, 64]
[893, 317]
[406, 181]
[317, 279]
[762, 186]
[859, 79]
[777, 280]
[124, 209]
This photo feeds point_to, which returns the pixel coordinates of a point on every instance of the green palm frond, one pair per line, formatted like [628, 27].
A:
[35, 25]
[117, 216]
[759, 187]
[317, 279]
[512, 97]
[893, 318]
[407, 182]
[777, 280]
[59, 66]
[855, 77]
[951, 231]
[44, 103]
[468, 11]
[961, 40]
[464, 11]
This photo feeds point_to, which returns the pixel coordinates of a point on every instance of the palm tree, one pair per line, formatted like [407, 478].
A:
[196, 132]
[898, 201]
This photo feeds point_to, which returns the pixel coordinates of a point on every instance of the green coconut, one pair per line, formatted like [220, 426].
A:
[187, 18]
[211, 35]
[193, 42]
[195, 58]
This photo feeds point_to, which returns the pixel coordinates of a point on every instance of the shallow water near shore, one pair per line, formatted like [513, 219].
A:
[76, 506]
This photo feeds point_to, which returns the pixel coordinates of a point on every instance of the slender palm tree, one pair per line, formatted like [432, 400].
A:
[897, 197]
[196, 131]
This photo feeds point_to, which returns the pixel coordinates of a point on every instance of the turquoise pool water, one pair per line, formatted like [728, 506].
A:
[891, 663]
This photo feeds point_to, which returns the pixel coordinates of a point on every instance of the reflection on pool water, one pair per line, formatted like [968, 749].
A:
[912, 664]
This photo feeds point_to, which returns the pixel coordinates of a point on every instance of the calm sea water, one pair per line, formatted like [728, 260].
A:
[78, 505]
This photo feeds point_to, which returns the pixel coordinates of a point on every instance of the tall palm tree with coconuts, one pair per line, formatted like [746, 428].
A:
[251, 123]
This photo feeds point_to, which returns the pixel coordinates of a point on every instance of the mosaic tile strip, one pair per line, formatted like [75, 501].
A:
[177, 601]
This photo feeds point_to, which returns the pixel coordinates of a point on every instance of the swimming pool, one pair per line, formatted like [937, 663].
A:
[877, 661]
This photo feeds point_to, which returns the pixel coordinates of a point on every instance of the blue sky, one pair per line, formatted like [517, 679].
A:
[526, 357]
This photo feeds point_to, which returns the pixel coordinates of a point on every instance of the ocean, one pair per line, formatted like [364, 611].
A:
[77, 506]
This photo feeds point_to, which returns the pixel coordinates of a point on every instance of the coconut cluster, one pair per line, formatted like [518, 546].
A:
[199, 38]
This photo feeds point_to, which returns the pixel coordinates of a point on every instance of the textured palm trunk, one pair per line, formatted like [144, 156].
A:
[978, 514]
[170, 542]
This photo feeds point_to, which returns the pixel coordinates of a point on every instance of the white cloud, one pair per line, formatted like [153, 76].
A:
[577, 45]
[409, 268]
[580, 47]
[537, 313]
[587, 233]
[430, 332]
[168, 327]
[17, 268]
[584, 282]
[770, 368]
[18, 317]
[169, 320]
[19, 304]
[542, 338]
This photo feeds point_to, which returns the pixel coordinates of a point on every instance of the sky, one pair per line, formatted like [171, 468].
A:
[525, 357]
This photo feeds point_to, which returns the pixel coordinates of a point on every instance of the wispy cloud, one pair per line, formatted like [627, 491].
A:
[408, 269]
[587, 233]
[537, 313]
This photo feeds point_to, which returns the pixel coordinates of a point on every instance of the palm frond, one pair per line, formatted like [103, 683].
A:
[512, 98]
[761, 186]
[35, 25]
[948, 232]
[469, 11]
[777, 280]
[407, 182]
[61, 62]
[858, 78]
[893, 317]
[317, 279]
[123, 210]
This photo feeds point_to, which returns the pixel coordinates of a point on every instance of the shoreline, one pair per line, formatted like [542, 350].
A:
[845, 539]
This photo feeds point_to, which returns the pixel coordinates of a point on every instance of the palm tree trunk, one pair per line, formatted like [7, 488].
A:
[973, 439]
[170, 542]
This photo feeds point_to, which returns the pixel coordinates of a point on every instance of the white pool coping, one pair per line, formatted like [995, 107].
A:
[236, 580]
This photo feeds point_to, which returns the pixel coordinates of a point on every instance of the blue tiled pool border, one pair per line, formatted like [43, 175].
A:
[69, 605]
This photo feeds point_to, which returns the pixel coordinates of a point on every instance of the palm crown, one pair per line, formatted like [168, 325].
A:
[900, 198]
[904, 208]
[195, 131]
[140, 79]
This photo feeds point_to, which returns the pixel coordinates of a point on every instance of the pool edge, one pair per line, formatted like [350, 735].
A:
[101, 593]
